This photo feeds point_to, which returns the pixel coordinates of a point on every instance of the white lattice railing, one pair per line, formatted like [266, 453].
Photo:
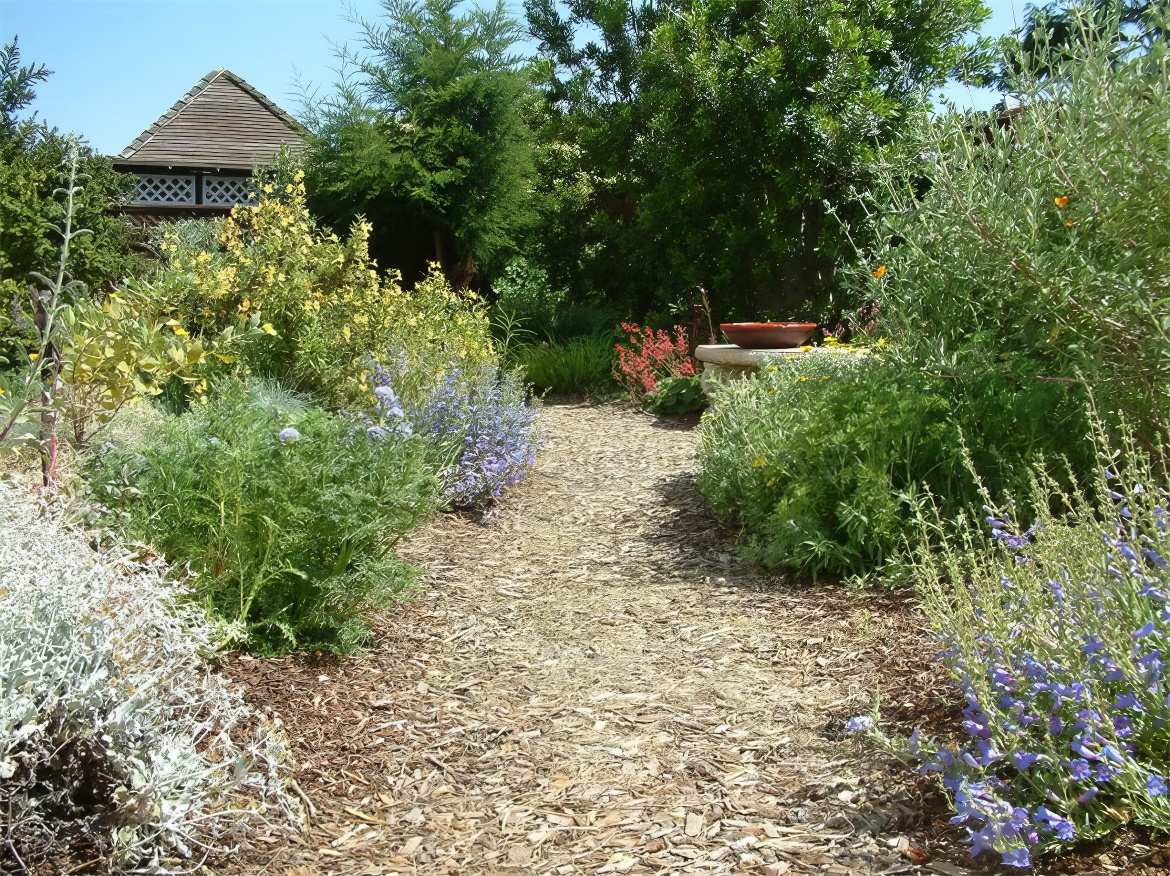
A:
[228, 190]
[166, 189]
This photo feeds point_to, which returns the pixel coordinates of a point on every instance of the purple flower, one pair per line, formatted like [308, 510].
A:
[1053, 823]
[1088, 795]
[983, 841]
[1080, 769]
[288, 434]
[1147, 630]
[1019, 857]
[1156, 785]
[1111, 753]
[859, 723]
[1127, 701]
[1025, 760]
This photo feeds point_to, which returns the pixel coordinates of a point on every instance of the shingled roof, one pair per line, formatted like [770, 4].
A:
[222, 122]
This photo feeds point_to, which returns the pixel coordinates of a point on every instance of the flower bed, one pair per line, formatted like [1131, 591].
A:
[113, 733]
[1057, 636]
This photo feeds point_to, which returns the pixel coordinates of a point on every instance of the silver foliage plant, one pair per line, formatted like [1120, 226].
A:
[114, 730]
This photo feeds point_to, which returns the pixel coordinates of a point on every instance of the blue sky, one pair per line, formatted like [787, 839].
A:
[119, 64]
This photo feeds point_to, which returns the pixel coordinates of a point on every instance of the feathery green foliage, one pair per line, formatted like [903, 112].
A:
[287, 515]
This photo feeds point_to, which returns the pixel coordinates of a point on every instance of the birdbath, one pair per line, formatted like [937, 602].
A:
[754, 341]
[731, 362]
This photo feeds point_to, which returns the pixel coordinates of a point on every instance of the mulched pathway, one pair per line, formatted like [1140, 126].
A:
[589, 681]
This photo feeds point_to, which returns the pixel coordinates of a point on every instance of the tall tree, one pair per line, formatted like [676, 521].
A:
[744, 124]
[426, 136]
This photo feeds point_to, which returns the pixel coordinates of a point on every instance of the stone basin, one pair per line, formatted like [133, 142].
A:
[730, 362]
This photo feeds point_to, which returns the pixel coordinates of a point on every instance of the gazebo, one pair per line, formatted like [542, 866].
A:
[197, 159]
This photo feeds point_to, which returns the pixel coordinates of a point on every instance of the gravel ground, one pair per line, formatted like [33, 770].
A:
[588, 681]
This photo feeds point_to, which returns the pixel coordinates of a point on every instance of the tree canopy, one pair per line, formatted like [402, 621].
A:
[426, 137]
[705, 142]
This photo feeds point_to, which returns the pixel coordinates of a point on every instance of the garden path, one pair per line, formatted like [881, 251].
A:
[589, 682]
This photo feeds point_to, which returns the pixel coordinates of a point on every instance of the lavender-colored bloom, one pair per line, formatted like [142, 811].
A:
[1013, 541]
[1156, 785]
[983, 840]
[1111, 753]
[1147, 630]
[1088, 795]
[1127, 701]
[859, 723]
[1019, 857]
[1025, 760]
[1080, 769]
[481, 421]
[1053, 823]
[288, 434]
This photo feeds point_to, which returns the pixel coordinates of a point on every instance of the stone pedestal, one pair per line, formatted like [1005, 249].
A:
[729, 362]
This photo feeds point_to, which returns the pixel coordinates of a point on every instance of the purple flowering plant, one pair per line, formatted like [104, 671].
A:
[1057, 636]
[477, 420]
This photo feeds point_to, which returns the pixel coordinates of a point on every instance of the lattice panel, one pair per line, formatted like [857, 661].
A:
[228, 190]
[166, 190]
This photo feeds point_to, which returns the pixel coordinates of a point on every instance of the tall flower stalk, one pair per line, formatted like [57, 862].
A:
[42, 380]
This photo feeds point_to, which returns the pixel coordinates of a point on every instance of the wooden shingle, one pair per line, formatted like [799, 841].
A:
[223, 122]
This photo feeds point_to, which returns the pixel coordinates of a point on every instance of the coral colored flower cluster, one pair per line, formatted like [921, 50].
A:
[651, 355]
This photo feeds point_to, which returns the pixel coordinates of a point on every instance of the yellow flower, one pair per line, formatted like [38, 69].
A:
[268, 329]
[267, 188]
[759, 462]
[34, 356]
[1070, 224]
[806, 348]
[345, 332]
[1062, 201]
[179, 330]
[881, 342]
[880, 272]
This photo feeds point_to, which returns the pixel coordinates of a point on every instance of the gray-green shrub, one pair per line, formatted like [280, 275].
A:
[114, 733]
[1033, 248]
[286, 515]
[1053, 622]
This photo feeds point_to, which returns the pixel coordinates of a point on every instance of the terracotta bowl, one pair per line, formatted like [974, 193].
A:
[767, 335]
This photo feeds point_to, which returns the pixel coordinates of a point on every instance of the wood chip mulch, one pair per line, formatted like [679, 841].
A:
[588, 680]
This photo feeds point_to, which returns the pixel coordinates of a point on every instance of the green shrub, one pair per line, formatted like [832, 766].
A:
[321, 304]
[677, 395]
[577, 365]
[286, 515]
[819, 458]
[524, 292]
[1036, 253]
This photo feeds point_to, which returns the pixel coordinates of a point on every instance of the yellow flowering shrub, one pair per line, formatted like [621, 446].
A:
[323, 308]
[125, 347]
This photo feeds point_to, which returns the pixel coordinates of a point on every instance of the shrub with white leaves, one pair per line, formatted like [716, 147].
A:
[115, 735]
